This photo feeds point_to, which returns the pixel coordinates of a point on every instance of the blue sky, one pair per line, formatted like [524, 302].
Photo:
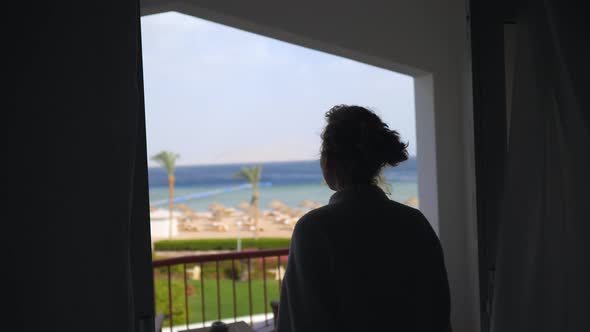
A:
[216, 94]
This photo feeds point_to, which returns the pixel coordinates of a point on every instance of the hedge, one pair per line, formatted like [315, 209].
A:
[177, 292]
[220, 244]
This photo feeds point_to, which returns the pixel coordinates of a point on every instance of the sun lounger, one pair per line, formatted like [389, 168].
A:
[188, 226]
[220, 227]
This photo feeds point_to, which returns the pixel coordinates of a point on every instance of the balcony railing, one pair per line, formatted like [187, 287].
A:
[202, 275]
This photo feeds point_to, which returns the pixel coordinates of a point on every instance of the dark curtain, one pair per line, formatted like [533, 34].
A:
[543, 254]
[76, 230]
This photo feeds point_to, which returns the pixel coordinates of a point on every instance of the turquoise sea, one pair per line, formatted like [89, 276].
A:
[289, 182]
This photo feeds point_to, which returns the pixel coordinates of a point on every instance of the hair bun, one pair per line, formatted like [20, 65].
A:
[394, 150]
[359, 143]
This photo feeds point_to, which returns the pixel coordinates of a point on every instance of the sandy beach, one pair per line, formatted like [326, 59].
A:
[227, 222]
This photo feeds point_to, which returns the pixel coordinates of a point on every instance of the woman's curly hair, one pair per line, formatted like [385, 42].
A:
[359, 144]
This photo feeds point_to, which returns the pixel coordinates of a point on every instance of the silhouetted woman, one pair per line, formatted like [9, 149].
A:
[363, 262]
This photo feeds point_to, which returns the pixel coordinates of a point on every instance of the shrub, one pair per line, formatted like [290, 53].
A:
[162, 303]
[220, 244]
[233, 273]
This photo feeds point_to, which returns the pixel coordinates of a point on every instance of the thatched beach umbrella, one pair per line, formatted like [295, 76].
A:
[215, 206]
[307, 204]
[244, 206]
[184, 208]
[277, 205]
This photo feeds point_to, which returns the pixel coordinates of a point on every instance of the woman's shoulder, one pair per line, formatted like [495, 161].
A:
[319, 217]
[322, 221]
[331, 213]
[405, 211]
[413, 220]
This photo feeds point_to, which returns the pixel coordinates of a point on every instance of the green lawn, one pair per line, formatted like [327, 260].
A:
[211, 304]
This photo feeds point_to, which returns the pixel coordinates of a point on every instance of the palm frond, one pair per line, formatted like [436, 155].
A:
[250, 174]
[167, 160]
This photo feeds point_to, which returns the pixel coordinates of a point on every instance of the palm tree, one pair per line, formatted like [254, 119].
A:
[167, 160]
[252, 175]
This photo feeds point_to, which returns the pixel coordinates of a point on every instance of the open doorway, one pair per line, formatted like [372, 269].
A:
[220, 101]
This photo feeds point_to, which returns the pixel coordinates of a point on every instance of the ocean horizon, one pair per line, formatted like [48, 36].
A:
[290, 182]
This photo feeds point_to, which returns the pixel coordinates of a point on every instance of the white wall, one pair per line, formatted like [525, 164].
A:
[160, 224]
[426, 39]
[159, 229]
